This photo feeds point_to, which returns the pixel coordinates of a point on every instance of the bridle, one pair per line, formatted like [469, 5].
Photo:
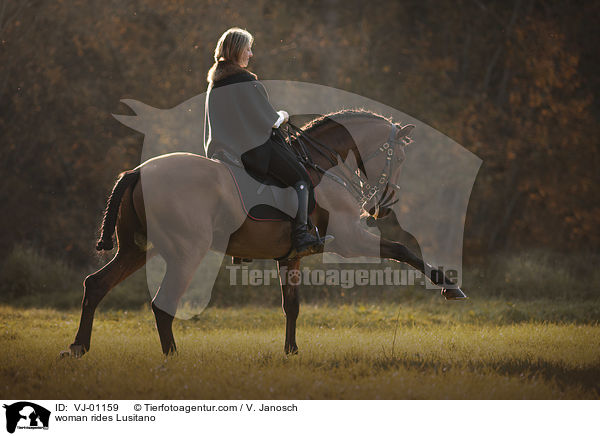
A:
[391, 150]
[368, 196]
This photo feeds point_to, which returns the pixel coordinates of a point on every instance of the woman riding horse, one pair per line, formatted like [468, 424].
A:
[189, 202]
[240, 122]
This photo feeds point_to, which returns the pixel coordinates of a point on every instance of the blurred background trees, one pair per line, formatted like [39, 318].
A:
[514, 82]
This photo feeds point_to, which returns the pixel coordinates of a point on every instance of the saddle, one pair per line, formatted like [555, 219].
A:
[262, 198]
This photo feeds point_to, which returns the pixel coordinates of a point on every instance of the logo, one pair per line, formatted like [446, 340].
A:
[26, 415]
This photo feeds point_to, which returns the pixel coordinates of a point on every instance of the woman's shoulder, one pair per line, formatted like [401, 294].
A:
[227, 73]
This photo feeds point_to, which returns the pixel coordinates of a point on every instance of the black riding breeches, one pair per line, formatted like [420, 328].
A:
[272, 160]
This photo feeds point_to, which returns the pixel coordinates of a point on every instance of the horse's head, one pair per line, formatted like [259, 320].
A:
[378, 148]
[386, 160]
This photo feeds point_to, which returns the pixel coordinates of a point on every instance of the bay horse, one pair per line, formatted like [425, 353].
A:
[193, 196]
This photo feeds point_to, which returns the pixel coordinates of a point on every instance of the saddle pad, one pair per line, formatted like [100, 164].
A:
[263, 201]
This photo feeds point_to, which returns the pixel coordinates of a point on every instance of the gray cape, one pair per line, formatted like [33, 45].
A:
[238, 115]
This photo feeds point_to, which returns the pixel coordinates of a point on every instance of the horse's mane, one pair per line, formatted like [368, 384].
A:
[331, 119]
[344, 114]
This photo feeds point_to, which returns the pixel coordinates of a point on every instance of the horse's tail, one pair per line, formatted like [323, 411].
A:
[126, 179]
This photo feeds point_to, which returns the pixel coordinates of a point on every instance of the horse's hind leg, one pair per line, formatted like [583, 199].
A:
[290, 301]
[129, 258]
[96, 286]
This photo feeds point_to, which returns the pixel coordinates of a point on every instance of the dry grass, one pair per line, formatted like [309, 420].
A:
[457, 351]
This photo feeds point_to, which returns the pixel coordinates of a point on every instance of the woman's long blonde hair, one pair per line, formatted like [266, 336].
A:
[230, 46]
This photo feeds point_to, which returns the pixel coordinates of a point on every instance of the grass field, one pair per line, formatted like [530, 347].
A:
[491, 349]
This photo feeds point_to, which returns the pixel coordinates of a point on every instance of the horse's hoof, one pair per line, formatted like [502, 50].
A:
[454, 294]
[291, 351]
[75, 351]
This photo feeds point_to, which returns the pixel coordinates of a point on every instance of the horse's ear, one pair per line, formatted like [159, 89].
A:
[404, 131]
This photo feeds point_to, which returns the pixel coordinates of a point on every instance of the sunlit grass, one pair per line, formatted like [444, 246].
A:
[466, 351]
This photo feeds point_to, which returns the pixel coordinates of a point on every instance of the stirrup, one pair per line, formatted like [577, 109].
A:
[316, 246]
[324, 239]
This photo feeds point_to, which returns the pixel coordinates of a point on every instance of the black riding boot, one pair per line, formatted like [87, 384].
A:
[304, 242]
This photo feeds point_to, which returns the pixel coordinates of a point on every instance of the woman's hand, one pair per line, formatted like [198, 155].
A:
[286, 116]
[283, 118]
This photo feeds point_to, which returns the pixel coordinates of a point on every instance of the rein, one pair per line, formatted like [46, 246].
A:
[352, 180]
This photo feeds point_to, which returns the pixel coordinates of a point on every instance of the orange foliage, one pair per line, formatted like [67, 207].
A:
[512, 82]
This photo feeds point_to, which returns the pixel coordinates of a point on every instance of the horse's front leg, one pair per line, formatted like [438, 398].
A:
[354, 241]
[397, 251]
[289, 276]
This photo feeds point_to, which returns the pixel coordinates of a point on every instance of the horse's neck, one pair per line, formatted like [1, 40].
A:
[337, 138]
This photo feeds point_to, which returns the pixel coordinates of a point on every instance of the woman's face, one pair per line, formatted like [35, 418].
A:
[245, 56]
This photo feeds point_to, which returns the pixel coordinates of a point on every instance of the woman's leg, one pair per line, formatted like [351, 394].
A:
[272, 160]
[285, 168]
